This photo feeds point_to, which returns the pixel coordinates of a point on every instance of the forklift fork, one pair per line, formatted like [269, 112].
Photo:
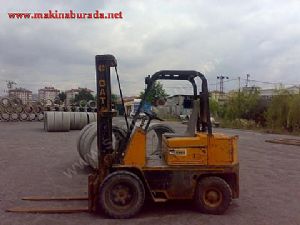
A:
[52, 209]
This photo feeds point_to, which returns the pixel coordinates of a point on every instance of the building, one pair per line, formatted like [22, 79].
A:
[218, 96]
[70, 94]
[21, 93]
[269, 93]
[177, 105]
[47, 93]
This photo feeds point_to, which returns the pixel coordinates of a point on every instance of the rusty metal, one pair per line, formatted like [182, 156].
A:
[212, 197]
[48, 210]
[55, 198]
[93, 184]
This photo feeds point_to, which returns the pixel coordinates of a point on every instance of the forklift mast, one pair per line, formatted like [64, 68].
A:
[104, 110]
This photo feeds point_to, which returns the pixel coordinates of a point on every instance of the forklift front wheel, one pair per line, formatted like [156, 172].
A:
[213, 195]
[122, 195]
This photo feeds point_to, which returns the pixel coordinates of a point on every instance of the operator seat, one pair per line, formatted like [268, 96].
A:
[191, 125]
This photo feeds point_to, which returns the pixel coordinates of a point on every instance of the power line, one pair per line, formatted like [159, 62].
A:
[267, 82]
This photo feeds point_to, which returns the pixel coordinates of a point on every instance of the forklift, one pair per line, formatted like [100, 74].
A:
[198, 165]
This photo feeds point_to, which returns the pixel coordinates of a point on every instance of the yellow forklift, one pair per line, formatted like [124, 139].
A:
[197, 165]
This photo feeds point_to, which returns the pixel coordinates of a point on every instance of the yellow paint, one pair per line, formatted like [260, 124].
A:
[177, 142]
[136, 150]
[222, 150]
[202, 149]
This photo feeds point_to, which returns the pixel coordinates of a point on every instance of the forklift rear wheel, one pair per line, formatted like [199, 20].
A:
[122, 195]
[213, 195]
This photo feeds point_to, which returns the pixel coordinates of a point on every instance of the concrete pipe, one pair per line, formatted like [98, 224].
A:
[87, 143]
[118, 136]
[91, 104]
[91, 143]
[28, 108]
[82, 103]
[1, 109]
[14, 117]
[47, 108]
[9, 109]
[5, 102]
[56, 101]
[37, 109]
[158, 130]
[16, 105]
[57, 121]
[31, 116]
[48, 102]
[81, 137]
[40, 116]
[73, 109]
[16, 101]
[5, 116]
[78, 120]
[62, 121]
[46, 120]
[92, 117]
[87, 131]
[72, 120]
[23, 116]
[18, 108]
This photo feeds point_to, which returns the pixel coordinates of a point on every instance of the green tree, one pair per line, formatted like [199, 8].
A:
[282, 110]
[156, 92]
[114, 98]
[214, 107]
[83, 94]
[62, 96]
[294, 113]
[242, 105]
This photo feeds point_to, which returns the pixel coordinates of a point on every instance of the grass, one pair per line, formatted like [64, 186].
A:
[251, 125]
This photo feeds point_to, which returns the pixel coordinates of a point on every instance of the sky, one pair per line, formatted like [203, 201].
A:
[230, 38]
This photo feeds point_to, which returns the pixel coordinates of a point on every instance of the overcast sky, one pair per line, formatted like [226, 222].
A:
[229, 38]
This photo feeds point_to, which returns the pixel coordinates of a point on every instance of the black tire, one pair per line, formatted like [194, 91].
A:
[121, 195]
[213, 195]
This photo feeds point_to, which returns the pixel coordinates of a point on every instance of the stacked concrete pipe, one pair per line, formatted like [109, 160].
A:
[87, 141]
[12, 109]
[57, 121]
[65, 121]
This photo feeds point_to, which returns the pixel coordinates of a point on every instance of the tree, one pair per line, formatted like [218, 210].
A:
[284, 111]
[62, 96]
[214, 107]
[156, 92]
[83, 94]
[242, 105]
[294, 113]
[114, 98]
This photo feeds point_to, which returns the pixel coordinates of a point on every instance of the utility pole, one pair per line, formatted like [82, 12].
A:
[239, 78]
[247, 80]
[10, 84]
[221, 78]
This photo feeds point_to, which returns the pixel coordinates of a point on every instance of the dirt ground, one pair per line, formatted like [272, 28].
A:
[33, 162]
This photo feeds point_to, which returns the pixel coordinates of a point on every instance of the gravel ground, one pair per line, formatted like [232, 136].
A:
[33, 162]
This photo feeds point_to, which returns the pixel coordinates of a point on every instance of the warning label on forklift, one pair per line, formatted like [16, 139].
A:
[179, 152]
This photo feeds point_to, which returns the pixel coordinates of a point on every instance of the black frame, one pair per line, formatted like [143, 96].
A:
[189, 75]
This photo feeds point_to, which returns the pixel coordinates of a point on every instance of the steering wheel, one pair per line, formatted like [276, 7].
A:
[152, 116]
